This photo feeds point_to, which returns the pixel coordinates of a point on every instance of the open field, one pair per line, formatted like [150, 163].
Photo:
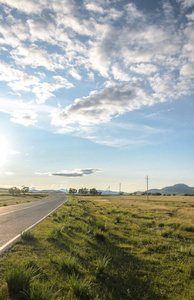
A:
[106, 247]
[7, 199]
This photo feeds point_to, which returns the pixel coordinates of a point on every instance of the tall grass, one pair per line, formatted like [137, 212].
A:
[18, 280]
[39, 293]
[68, 264]
[101, 265]
[80, 287]
[27, 236]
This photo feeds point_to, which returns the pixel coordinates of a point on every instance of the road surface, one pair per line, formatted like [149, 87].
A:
[15, 219]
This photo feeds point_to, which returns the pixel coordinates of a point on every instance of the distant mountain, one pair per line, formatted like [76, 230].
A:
[66, 191]
[109, 192]
[49, 191]
[178, 189]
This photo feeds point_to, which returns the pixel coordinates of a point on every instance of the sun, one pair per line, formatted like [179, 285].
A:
[4, 150]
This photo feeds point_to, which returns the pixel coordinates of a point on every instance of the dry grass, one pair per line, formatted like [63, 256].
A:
[7, 199]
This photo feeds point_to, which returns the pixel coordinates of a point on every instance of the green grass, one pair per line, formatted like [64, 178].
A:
[7, 199]
[18, 279]
[27, 236]
[108, 247]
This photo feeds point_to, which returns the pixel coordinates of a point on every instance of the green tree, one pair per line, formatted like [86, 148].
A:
[83, 191]
[72, 191]
[14, 191]
[93, 192]
[24, 190]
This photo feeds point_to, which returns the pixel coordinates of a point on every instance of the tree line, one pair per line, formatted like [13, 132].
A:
[16, 191]
[85, 191]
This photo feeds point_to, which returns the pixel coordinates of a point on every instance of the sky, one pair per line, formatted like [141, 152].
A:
[96, 93]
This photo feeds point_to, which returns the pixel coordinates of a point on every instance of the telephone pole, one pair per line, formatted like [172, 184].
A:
[147, 178]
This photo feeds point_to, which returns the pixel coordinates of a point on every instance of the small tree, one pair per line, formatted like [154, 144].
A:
[83, 191]
[93, 192]
[24, 190]
[72, 191]
[14, 191]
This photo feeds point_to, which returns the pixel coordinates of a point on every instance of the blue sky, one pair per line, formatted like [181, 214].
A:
[96, 93]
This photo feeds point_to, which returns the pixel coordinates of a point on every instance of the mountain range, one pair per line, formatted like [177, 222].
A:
[178, 189]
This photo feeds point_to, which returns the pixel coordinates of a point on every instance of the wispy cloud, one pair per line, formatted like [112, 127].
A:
[126, 58]
[74, 173]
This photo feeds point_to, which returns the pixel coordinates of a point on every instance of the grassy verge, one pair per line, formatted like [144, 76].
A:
[7, 199]
[110, 247]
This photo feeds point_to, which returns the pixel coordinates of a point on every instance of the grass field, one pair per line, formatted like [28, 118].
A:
[7, 199]
[106, 247]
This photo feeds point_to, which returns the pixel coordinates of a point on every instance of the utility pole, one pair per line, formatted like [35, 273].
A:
[108, 190]
[119, 188]
[147, 178]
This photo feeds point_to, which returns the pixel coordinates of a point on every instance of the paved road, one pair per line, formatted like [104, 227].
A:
[15, 219]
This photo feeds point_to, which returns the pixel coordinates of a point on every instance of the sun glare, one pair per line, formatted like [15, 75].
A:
[4, 150]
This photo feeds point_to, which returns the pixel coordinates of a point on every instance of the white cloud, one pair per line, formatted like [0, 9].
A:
[45, 90]
[35, 57]
[186, 3]
[94, 7]
[187, 70]
[144, 68]
[75, 74]
[47, 43]
[133, 13]
[27, 6]
[119, 74]
[25, 118]
[74, 173]
[101, 106]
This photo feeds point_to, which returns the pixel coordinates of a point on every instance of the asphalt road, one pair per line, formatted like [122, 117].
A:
[15, 219]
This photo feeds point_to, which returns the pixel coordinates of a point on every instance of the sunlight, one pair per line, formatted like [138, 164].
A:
[4, 150]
